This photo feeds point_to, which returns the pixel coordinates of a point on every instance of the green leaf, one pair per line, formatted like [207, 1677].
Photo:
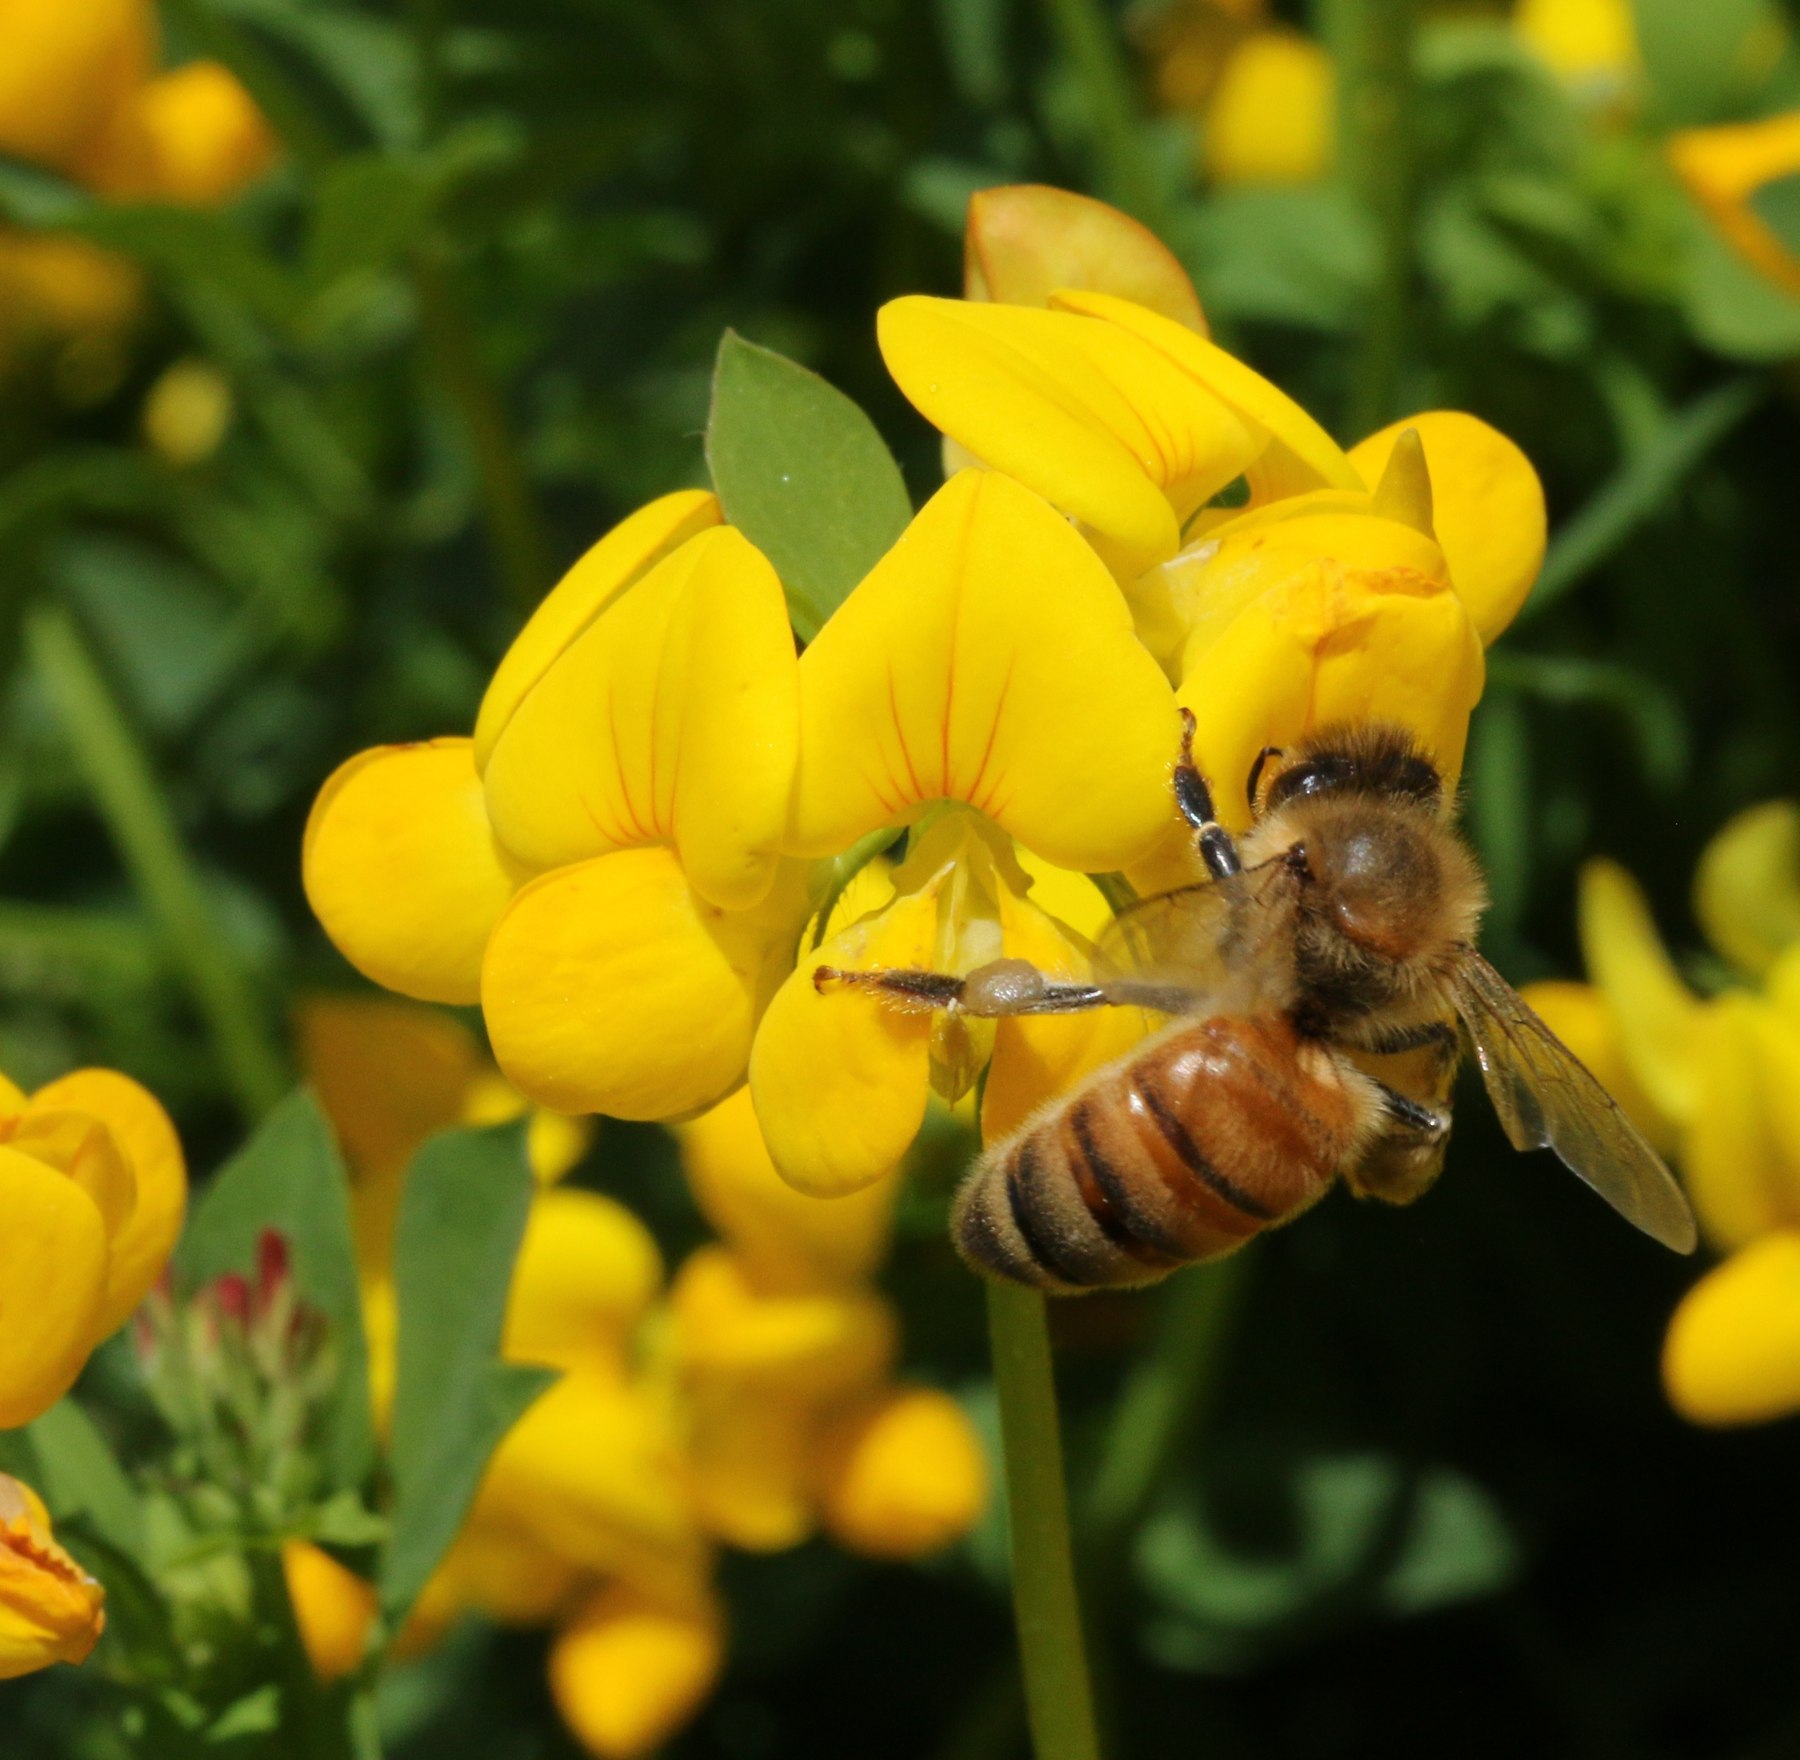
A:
[1699, 56]
[290, 1177]
[198, 246]
[803, 475]
[79, 1477]
[461, 1220]
[370, 210]
[1777, 205]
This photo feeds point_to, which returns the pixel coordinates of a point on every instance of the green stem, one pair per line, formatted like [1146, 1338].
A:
[1379, 86]
[1059, 1696]
[1166, 1396]
[131, 802]
[1089, 39]
[509, 504]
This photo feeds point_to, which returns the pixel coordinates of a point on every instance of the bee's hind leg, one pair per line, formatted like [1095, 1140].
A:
[1193, 796]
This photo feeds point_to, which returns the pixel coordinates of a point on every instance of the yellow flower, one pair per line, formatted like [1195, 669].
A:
[631, 1669]
[1715, 1080]
[613, 829]
[1724, 168]
[193, 137]
[1350, 585]
[68, 71]
[93, 1186]
[51, 1610]
[333, 1607]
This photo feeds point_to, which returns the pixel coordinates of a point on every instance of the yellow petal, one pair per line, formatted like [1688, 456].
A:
[587, 1271]
[949, 674]
[1733, 1350]
[671, 719]
[903, 1474]
[592, 1475]
[630, 1671]
[52, 1285]
[512, 1578]
[1590, 43]
[839, 1080]
[728, 1330]
[82, 1149]
[1732, 1159]
[1036, 1059]
[137, 1252]
[403, 871]
[1299, 454]
[1656, 1013]
[750, 1456]
[1273, 115]
[1724, 167]
[612, 986]
[1487, 509]
[1090, 416]
[1579, 1015]
[333, 1607]
[794, 1241]
[1317, 620]
[1747, 889]
[617, 561]
[50, 1609]
[1025, 240]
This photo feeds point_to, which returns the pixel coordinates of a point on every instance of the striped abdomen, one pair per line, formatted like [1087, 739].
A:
[1212, 1133]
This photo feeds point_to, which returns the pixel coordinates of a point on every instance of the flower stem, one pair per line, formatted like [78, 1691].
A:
[1376, 50]
[130, 801]
[1052, 1655]
[1090, 41]
[509, 504]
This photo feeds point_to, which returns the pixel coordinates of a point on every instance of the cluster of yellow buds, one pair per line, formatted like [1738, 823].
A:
[94, 1187]
[81, 95]
[638, 860]
[748, 1401]
[1264, 96]
[1712, 1080]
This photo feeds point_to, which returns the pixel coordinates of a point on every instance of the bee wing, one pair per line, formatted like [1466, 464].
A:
[1546, 1098]
[1207, 939]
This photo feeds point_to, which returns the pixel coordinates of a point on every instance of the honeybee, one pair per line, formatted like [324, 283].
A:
[1337, 936]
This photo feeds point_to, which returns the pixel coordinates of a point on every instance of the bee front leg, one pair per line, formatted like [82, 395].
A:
[1193, 796]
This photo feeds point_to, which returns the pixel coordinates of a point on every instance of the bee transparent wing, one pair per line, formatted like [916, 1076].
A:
[1546, 1098]
[1209, 939]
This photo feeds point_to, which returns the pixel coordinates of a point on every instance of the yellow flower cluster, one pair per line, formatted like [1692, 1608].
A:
[748, 1401]
[93, 1187]
[80, 95]
[1713, 1080]
[1264, 96]
[660, 801]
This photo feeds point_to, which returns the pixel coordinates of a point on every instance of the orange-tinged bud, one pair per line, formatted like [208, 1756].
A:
[51, 1610]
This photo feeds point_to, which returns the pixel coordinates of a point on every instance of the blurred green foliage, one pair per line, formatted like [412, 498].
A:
[1429, 1499]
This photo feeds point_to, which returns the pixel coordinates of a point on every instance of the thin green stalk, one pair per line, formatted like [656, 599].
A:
[509, 503]
[1377, 42]
[131, 802]
[1165, 1398]
[1059, 1695]
[1088, 37]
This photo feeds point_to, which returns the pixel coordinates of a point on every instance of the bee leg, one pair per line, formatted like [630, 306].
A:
[1194, 798]
[1002, 987]
[1256, 770]
[1411, 1120]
